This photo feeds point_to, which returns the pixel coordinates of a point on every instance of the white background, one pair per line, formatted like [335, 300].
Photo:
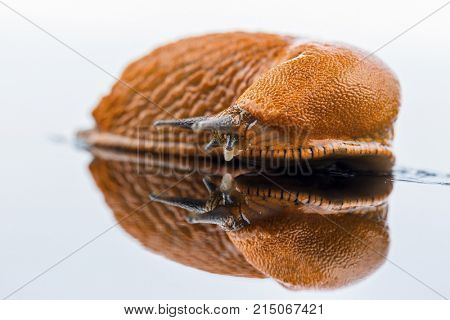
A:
[50, 206]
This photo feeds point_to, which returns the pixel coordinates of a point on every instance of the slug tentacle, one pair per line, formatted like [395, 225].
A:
[222, 123]
[188, 123]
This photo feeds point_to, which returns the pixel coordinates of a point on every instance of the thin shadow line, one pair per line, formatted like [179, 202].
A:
[408, 29]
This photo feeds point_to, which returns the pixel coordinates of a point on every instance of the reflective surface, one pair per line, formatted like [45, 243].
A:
[320, 231]
[156, 253]
[51, 204]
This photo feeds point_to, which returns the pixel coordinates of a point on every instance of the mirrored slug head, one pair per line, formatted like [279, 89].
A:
[323, 101]
[224, 206]
[303, 251]
[125, 182]
[317, 232]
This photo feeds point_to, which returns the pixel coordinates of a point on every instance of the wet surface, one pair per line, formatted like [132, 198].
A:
[62, 208]
[318, 231]
[307, 237]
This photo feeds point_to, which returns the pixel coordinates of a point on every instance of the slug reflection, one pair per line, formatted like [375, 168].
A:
[323, 231]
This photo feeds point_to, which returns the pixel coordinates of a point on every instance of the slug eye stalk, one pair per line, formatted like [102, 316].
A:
[227, 130]
[224, 124]
[187, 123]
[222, 208]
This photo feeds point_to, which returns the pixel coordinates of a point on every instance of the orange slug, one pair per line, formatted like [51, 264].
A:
[252, 95]
[303, 232]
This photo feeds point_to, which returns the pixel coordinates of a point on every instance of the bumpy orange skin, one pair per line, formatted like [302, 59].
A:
[305, 237]
[301, 235]
[350, 97]
[163, 229]
[191, 77]
[345, 100]
[304, 251]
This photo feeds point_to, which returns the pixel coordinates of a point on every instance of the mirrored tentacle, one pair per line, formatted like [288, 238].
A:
[187, 123]
[221, 216]
[229, 148]
[210, 186]
[226, 188]
[192, 205]
[227, 183]
[222, 208]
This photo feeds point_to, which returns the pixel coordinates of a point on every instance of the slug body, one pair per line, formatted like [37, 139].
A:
[252, 95]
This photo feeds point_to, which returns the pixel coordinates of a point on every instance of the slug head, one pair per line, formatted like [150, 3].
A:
[335, 92]
[323, 100]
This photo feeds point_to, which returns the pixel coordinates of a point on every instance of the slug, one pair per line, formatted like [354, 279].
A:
[252, 95]
[240, 225]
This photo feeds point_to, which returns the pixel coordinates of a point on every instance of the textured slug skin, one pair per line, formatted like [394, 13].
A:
[353, 94]
[163, 229]
[303, 235]
[304, 250]
[343, 98]
[313, 233]
[191, 77]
